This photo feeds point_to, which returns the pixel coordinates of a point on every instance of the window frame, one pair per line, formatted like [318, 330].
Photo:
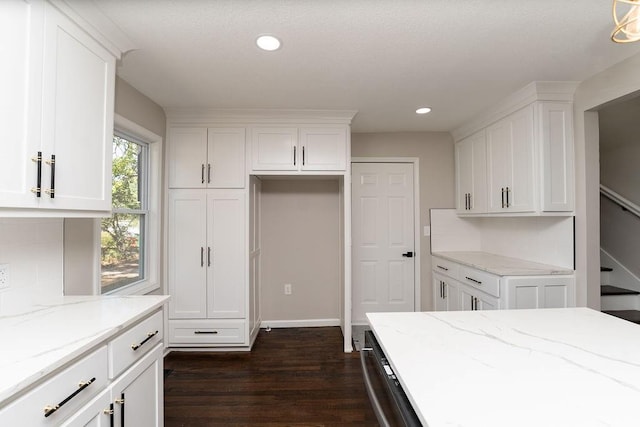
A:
[153, 234]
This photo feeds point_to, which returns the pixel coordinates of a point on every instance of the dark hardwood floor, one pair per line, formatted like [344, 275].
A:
[292, 377]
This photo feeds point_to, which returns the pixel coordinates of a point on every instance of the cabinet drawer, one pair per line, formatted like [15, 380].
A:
[131, 345]
[196, 332]
[64, 389]
[481, 280]
[445, 267]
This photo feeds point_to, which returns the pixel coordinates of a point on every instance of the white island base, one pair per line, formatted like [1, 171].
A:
[547, 367]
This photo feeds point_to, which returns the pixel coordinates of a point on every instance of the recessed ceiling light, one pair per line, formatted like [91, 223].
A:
[423, 110]
[268, 42]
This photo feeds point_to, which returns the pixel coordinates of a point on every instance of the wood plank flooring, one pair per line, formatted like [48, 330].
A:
[292, 377]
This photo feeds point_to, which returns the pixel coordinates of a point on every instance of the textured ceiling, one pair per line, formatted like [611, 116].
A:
[383, 58]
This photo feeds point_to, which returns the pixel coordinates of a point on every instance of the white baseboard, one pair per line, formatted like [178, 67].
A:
[305, 323]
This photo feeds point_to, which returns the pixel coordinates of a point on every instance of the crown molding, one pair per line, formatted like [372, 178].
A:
[534, 91]
[200, 116]
[90, 18]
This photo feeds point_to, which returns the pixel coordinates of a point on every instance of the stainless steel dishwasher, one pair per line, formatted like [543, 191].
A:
[389, 401]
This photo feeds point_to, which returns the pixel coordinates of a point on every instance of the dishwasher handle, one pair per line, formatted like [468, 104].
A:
[377, 408]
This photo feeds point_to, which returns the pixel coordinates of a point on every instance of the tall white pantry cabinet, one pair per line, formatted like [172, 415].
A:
[206, 247]
[215, 161]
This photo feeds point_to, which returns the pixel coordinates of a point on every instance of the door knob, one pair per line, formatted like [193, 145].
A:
[408, 254]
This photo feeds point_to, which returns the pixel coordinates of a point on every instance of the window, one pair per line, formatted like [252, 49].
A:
[128, 261]
[123, 236]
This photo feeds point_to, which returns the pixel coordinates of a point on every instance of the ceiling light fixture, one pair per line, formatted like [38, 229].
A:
[268, 42]
[627, 28]
[423, 110]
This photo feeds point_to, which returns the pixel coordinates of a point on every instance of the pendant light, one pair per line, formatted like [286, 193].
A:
[627, 27]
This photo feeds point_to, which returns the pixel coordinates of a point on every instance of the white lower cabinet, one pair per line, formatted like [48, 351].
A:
[471, 299]
[87, 394]
[532, 292]
[96, 413]
[447, 296]
[138, 392]
[460, 287]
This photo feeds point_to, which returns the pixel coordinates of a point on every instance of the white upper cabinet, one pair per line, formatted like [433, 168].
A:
[20, 35]
[323, 149]
[529, 168]
[59, 106]
[511, 162]
[556, 136]
[77, 117]
[206, 157]
[274, 148]
[299, 149]
[471, 174]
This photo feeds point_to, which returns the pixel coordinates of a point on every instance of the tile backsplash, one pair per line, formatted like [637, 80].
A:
[33, 249]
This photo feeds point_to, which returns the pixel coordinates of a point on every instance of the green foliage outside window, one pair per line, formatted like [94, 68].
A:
[122, 233]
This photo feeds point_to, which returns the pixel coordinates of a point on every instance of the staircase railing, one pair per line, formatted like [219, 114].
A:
[624, 203]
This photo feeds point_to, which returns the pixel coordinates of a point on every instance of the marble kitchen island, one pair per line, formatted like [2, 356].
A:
[545, 367]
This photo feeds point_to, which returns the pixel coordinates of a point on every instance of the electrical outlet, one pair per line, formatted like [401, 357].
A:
[287, 288]
[4, 276]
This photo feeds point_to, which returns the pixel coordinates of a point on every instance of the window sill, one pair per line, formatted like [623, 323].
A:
[139, 288]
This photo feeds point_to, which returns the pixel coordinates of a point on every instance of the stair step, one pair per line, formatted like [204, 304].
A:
[606, 269]
[630, 315]
[614, 290]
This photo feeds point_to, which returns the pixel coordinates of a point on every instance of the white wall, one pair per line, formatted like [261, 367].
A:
[33, 250]
[546, 240]
[300, 245]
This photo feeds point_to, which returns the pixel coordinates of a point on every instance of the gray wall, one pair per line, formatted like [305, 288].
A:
[620, 148]
[435, 151]
[81, 243]
[616, 82]
[619, 171]
[300, 245]
[140, 109]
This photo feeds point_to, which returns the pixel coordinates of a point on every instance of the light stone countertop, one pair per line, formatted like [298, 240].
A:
[501, 265]
[547, 367]
[39, 339]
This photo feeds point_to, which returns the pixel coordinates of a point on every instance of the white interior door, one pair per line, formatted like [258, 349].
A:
[382, 238]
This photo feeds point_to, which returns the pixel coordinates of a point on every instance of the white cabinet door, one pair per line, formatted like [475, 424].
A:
[510, 163]
[556, 134]
[447, 293]
[471, 299]
[187, 155]
[274, 148]
[206, 258]
[540, 292]
[440, 303]
[226, 254]
[187, 243]
[20, 103]
[77, 117]
[96, 413]
[323, 149]
[138, 393]
[225, 158]
[206, 158]
[254, 255]
[471, 174]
